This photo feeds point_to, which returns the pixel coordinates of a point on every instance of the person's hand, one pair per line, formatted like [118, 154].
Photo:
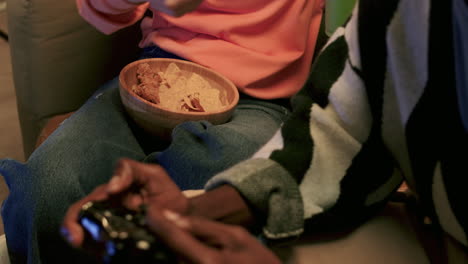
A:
[199, 240]
[133, 184]
[172, 7]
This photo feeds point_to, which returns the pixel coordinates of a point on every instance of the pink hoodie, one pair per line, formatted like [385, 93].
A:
[264, 46]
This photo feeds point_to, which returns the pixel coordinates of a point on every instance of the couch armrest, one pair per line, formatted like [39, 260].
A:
[59, 60]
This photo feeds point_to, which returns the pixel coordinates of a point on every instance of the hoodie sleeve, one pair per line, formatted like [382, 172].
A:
[109, 16]
[327, 166]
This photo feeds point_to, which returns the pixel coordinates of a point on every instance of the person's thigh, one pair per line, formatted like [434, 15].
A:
[199, 150]
[75, 159]
[85, 147]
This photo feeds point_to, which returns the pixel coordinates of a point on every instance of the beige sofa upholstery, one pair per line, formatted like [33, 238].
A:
[59, 60]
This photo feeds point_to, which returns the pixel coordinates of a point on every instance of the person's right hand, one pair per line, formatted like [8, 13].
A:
[134, 183]
[172, 7]
[199, 240]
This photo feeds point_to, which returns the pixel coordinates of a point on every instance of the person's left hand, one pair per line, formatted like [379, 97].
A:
[133, 184]
[199, 240]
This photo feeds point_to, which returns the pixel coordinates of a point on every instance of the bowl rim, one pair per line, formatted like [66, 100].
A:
[226, 108]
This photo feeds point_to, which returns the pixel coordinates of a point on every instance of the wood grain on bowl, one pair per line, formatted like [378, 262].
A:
[160, 121]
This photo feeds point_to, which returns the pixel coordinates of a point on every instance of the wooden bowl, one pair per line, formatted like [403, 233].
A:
[160, 121]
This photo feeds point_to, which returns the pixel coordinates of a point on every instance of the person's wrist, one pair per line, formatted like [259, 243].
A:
[223, 204]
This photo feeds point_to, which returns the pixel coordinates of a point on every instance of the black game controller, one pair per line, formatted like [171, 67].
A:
[120, 235]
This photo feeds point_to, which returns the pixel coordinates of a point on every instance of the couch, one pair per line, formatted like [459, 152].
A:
[59, 61]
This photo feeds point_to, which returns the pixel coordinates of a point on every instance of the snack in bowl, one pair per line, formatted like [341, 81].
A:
[160, 93]
[172, 89]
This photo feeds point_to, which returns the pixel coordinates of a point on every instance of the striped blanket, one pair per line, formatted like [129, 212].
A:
[380, 106]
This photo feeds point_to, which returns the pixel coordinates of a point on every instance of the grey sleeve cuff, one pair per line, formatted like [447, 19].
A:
[270, 189]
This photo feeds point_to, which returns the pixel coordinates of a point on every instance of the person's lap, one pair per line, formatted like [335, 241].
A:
[82, 152]
[75, 159]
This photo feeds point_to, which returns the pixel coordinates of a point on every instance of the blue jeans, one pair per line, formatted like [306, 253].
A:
[82, 152]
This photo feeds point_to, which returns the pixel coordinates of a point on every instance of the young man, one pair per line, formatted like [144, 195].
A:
[393, 107]
[264, 47]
